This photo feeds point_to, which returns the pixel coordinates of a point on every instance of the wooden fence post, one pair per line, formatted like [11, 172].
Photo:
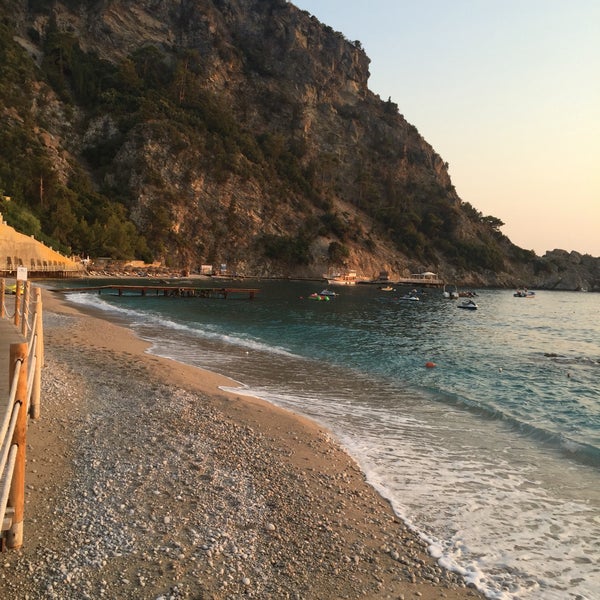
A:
[2, 295]
[38, 349]
[16, 497]
[17, 318]
[40, 309]
[25, 315]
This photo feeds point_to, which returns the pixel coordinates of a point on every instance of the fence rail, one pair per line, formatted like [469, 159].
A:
[24, 378]
[54, 272]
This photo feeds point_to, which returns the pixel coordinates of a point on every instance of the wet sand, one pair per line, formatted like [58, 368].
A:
[146, 481]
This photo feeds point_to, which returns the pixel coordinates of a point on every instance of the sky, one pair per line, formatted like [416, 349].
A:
[506, 91]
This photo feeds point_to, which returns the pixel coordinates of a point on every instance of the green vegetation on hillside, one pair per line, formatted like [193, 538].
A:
[85, 207]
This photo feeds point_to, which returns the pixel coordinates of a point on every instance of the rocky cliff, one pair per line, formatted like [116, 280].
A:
[239, 132]
[562, 270]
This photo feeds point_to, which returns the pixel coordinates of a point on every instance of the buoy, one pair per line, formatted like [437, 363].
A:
[430, 365]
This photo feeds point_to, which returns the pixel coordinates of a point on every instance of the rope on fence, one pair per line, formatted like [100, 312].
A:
[3, 308]
[11, 400]
[8, 449]
[5, 490]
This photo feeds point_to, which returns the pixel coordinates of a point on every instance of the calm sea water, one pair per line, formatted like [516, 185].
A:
[493, 455]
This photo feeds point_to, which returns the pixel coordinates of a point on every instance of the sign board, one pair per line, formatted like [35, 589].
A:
[21, 273]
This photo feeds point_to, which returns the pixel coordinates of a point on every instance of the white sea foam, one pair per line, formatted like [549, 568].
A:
[146, 320]
[172, 348]
[96, 302]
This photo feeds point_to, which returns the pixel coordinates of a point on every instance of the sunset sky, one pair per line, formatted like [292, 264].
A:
[507, 92]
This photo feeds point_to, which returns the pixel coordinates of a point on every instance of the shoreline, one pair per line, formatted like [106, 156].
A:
[154, 483]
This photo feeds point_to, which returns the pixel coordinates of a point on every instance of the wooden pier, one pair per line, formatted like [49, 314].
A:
[170, 291]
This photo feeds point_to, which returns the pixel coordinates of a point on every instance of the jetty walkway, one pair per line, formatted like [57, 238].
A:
[166, 290]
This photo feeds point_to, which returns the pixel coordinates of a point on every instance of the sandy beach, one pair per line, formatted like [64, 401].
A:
[146, 481]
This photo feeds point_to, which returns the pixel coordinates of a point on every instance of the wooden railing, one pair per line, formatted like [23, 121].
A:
[24, 377]
[58, 271]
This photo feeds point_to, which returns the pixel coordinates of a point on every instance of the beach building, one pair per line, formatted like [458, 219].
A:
[426, 279]
[19, 250]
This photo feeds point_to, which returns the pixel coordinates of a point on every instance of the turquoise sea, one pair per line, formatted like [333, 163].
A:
[492, 456]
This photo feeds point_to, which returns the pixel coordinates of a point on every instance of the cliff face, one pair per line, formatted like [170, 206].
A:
[243, 132]
[562, 270]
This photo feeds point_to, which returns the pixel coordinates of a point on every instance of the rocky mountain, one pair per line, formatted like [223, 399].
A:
[238, 132]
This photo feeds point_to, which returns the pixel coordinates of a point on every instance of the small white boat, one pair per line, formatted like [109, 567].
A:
[524, 294]
[409, 298]
[453, 295]
[468, 305]
[329, 293]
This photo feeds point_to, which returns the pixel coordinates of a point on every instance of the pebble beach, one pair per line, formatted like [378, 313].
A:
[146, 481]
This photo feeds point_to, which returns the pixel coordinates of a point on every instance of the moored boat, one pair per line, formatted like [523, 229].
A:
[524, 293]
[452, 295]
[328, 293]
[468, 305]
[345, 278]
[409, 298]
